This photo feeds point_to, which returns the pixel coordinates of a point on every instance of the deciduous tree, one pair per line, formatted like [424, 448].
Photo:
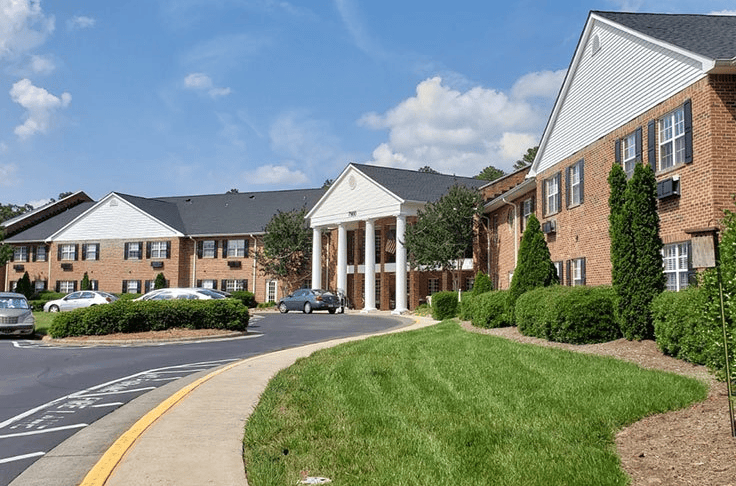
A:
[287, 249]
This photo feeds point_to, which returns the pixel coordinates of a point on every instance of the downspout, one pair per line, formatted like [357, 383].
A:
[516, 232]
[488, 244]
[255, 262]
[48, 259]
[193, 282]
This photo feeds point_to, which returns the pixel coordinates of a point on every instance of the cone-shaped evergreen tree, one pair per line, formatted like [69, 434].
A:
[534, 267]
[638, 260]
[618, 226]
[85, 285]
[160, 282]
[24, 286]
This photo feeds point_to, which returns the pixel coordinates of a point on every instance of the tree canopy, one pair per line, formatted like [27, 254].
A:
[428, 170]
[287, 249]
[527, 159]
[444, 230]
[490, 173]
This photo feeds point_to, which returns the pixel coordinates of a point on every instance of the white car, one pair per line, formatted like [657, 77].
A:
[76, 300]
[181, 294]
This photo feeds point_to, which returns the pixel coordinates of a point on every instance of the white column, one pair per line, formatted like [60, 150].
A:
[400, 265]
[342, 258]
[316, 258]
[370, 265]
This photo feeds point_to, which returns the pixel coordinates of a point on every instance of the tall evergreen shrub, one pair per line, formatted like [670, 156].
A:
[85, 285]
[534, 268]
[482, 284]
[24, 286]
[160, 282]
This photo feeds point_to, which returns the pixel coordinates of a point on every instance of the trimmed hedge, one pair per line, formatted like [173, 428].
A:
[679, 325]
[125, 316]
[444, 305]
[486, 310]
[247, 298]
[576, 315]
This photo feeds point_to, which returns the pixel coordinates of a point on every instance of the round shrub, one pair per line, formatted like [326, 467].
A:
[490, 309]
[444, 305]
[247, 298]
[482, 284]
[677, 317]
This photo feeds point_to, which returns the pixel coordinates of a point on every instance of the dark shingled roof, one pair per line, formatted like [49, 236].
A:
[46, 228]
[239, 213]
[411, 185]
[712, 36]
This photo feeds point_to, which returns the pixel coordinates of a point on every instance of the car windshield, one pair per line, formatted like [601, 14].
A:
[13, 303]
[210, 293]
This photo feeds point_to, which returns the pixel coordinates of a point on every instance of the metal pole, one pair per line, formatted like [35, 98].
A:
[725, 336]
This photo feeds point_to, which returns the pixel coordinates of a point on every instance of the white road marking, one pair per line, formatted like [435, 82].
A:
[44, 431]
[111, 404]
[20, 458]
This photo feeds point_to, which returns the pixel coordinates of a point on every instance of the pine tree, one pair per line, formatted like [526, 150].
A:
[481, 284]
[24, 286]
[85, 285]
[534, 268]
[160, 282]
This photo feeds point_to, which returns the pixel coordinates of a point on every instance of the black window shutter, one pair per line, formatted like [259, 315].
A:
[200, 246]
[58, 286]
[84, 252]
[567, 186]
[223, 284]
[32, 249]
[97, 251]
[617, 152]
[582, 180]
[582, 269]
[74, 286]
[138, 287]
[545, 206]
[214, 242]
[125, 256]
[58, 252]
[224, 248]
[148, 286]
[559, 195]
[652, 144]
[534, 205]
[76, 252]
[199, 283]
[247, 246]
[568, 272]
[214, 284]
[94, 284]
[521, 213]
[688, 109]
[168, 249]
[45, 284]
[561, 276]
[140, 254]
[125, 286]
[148, 249]
[637, 136]
[244, 284]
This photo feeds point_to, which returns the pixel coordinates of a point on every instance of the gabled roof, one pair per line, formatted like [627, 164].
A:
[712, 36]
[26, 220]
[411, 185]
[43, 230]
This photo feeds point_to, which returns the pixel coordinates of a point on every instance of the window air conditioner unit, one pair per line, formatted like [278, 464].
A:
[668, 187]
[234, 264]
[18, 268]
[549, 227]
[66, 266]
[157, 264]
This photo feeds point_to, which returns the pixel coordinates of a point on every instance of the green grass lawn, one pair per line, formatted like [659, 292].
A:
[43, 321]
[441, 406]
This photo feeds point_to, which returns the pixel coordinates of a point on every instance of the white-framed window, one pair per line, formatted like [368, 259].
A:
[20, 254]
[41, 253]
[433, 286]
[628, 154]
[159, 249]
[235, 248]
[132, 286]
[91, 251]
[133, 251]
[575, 184]
[552, 194]
[527, 208]
[39, 285]
[672, 139]
[559, 266]
[67, 286]
[68, 252]
[209, 284]
[577, 272]
[271, 293]
[208, 249]
[235, 285]
[676, 260]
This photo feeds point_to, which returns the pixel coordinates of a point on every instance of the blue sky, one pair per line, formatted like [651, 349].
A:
[179, 97]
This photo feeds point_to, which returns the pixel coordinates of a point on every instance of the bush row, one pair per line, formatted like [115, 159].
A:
[487, 310]
[126, 316]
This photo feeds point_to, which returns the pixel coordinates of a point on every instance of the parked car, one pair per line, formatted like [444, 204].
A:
[307, 300]
[16, 316]
[181, 294]
[77, 300]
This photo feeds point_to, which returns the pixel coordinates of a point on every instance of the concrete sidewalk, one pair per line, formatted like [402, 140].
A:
[194, 436]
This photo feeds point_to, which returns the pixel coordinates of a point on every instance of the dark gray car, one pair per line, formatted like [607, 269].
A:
[16, 316]
[307, 300]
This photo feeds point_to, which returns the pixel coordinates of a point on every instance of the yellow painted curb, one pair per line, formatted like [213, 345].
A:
[101, 471]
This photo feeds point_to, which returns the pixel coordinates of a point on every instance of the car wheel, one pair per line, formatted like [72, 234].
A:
[282, 308]
[307, 308]
[54, 308]
[331, 311]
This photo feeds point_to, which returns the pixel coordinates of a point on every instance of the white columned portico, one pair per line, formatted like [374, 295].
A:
[316, 258]
[400, 265]
[370, 265]
[342, 258]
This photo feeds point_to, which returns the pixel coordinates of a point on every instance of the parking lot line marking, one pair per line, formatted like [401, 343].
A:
[20, 458]
[103, 394]
[44, 431]
[111, 404]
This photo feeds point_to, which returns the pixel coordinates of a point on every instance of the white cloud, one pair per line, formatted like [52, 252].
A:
[42, 64]
[277, 175]
[545, 84]
[463, 132]
[38, 203]
[7, 174]
[202, 82]
[23, 26]
[40, 106]
[79, 22]
[723, 12]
